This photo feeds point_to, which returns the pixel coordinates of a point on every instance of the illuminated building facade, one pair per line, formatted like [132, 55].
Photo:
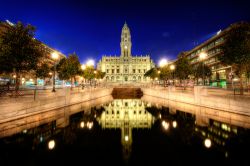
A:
[221, 74]
[125, 68]
[126, 114]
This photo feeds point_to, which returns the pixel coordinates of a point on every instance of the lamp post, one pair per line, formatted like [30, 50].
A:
[95, 77]
[162, 63]
[172, 68]
[203, 56]
[231, 76]
[83, 67]
[158, 72]
[90, 63]
[54, 57]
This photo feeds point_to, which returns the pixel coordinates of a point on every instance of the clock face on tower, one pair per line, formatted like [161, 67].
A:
[125, 47]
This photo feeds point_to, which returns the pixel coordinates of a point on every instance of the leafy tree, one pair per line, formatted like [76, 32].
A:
[183, 68]
[201, 69]
[69, 68]
[165, 73]
[43, 71]
[19, 51]
[74, 66]
[89, 73]
[100, 74]
[62, 69]
[236, 49]
[152, 73]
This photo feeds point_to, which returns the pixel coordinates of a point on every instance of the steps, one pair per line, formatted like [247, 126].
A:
[127, 93]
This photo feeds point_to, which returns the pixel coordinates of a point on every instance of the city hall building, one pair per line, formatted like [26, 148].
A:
[125, 68]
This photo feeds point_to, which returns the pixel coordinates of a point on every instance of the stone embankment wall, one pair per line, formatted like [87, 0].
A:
[202, 96]
[13, 108]
[203, 115]
[61, 116]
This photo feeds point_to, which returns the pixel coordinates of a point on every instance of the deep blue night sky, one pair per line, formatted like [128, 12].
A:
[92, 28]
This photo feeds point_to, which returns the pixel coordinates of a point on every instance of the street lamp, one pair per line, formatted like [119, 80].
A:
[51, 144]
[172, 68]
[54, 56]
[90, 62]
[163, 62]
[83, 67]
[207, 143]
[203, 56]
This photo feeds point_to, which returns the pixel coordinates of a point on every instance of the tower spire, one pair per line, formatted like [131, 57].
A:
[125, 41]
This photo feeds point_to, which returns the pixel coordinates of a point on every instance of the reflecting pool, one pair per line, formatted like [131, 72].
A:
[111, 131]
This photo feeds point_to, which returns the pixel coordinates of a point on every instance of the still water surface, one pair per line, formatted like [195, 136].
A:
[127, 132]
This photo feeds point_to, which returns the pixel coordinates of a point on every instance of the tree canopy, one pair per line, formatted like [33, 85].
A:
[19, 50]
[152, 73]
[69, 68]
[100, 74]
[236, 48]
[43, 71]
[201, 69]
[89, 73]
[183, 68]
[166, 73]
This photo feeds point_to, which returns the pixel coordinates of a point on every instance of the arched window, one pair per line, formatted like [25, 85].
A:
[107, 78]
[112, 78]
[139, 78]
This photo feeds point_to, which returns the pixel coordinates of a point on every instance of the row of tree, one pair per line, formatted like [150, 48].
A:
[69, 68]
[21, 53]
[183, 71]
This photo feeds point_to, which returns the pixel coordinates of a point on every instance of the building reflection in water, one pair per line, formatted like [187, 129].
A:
[213, 129]
[126, 114]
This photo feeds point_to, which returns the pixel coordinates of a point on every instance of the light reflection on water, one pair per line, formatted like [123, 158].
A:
[132, 130]
[126, 115]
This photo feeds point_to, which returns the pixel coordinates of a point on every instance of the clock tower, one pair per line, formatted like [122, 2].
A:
[125, 41]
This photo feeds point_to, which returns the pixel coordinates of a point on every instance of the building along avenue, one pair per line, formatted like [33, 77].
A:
[221, 74]
[28, 79]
